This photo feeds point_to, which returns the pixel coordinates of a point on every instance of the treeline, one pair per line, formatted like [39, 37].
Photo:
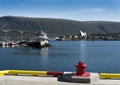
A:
[63, 27]
[107, 36]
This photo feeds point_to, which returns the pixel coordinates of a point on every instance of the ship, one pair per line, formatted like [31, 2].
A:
[40, 41]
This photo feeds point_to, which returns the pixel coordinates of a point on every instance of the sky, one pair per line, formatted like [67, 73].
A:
[81, 10]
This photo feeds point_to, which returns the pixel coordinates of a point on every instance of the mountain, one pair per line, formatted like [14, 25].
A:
[58, 26]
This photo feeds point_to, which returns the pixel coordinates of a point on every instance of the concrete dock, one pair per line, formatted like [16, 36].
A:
[31, 80]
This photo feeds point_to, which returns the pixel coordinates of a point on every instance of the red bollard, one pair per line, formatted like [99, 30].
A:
[81, 69]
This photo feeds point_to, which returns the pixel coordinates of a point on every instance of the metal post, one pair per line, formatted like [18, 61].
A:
[81, 69]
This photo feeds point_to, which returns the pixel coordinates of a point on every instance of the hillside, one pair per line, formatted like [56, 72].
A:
[58, 26]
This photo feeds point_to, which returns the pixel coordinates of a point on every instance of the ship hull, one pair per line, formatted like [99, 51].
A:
[38, 44]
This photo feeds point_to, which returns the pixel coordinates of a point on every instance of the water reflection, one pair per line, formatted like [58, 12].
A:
[44, 52]
[83, 51]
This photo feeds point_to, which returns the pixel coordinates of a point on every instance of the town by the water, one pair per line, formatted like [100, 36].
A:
[25, 38]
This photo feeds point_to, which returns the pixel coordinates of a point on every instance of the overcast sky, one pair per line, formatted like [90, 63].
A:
[82, 10]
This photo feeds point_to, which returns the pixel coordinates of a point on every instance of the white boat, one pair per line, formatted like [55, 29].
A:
[2, 43]
[41, 40]
[7, 43]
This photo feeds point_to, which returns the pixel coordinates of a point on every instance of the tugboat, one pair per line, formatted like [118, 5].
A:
[41, 40]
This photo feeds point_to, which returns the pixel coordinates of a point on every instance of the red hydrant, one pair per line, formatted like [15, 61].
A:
[81, 69]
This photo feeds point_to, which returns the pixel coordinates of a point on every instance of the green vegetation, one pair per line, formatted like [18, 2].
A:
[59, 26]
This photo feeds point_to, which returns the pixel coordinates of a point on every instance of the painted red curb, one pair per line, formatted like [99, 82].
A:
[55, 74]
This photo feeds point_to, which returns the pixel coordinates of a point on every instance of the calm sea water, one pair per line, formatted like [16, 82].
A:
[100, 56]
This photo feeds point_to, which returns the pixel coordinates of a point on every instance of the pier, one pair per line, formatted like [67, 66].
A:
[30, 77]
[47, 80]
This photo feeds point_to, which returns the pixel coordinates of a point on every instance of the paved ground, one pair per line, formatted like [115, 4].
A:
[28, 80]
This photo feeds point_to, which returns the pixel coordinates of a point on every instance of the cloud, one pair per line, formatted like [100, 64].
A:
[83, 12]
[99, 9]
[92, 10]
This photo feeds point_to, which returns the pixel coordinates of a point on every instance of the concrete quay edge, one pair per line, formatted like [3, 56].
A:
[31, 80]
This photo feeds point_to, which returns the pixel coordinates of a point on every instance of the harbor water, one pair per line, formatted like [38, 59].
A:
[100, 56]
